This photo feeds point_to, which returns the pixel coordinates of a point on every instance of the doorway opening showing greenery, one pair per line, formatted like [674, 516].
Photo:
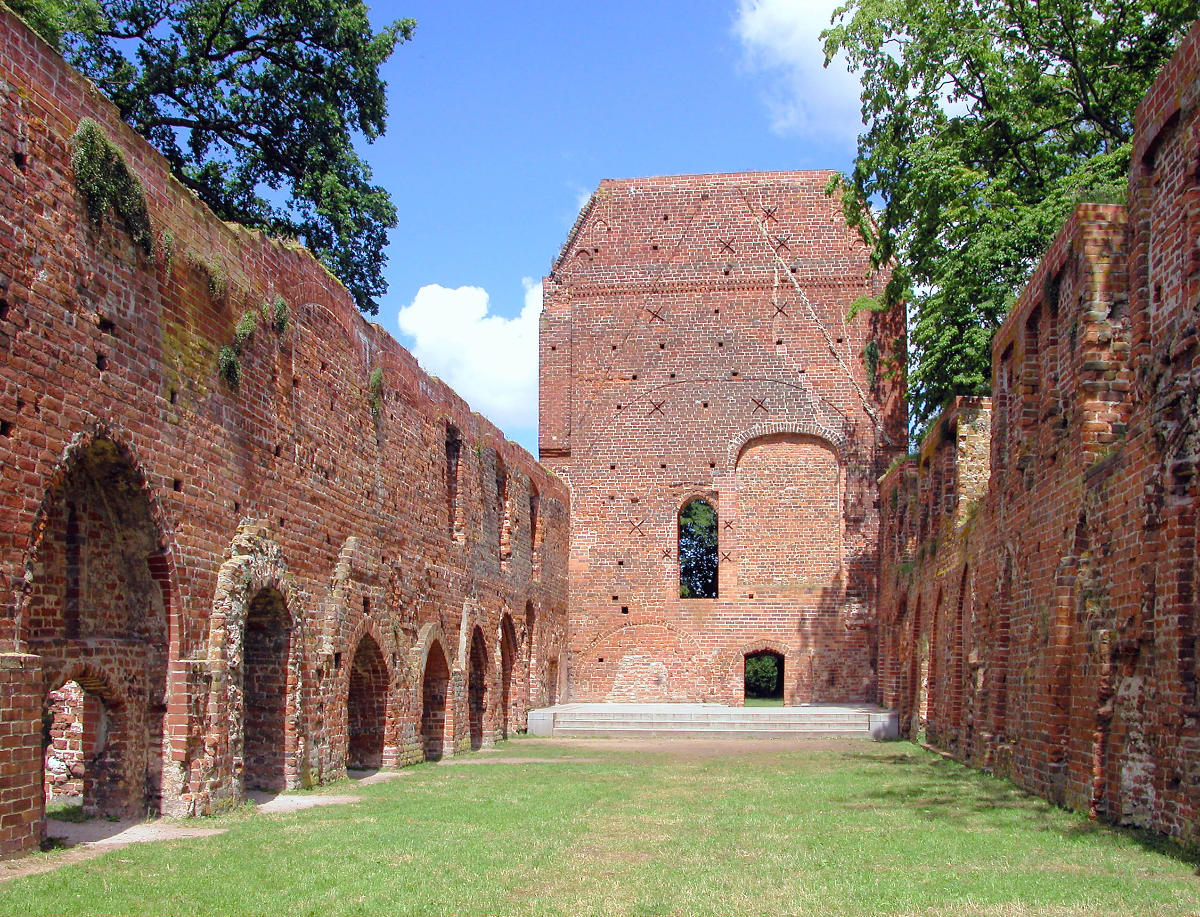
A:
[764, 679]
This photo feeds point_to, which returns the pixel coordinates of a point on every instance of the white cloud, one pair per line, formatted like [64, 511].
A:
[491, 360]
[782, 40]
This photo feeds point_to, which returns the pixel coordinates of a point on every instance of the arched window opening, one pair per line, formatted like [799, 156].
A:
[698, 560]
[763, 683]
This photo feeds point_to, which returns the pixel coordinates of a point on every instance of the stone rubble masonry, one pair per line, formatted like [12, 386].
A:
[1038, 603]
[156, 522]
[695, 342]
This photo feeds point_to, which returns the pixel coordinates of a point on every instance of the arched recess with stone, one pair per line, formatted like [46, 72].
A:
[477, 688]
[257, 640]
[437, 708]
[96, 610]
[367, 702]
[508, 708]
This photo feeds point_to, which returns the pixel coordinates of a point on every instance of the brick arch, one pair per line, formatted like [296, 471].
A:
[507, 668]
[163, 564]
[89, 676]
[479, 708]
[123, 590]
[256, 566]
[732, 663]
[97, 729]
[367, 628]
[791, 487]
[430, 634]
[434, 726]
[833, 439]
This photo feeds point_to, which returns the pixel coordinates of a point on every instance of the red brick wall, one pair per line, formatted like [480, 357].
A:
[147, 503]
[1056, 592]
[695, 344]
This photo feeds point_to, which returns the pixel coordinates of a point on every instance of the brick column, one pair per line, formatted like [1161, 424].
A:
[21, 802]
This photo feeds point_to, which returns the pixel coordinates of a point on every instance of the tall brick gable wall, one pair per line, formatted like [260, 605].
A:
[250, 586]
[695, 343]
[1038, 609]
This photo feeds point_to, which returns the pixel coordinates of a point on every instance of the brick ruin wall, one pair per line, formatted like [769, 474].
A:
[1038, 612]
[334, 562]
[695, 344]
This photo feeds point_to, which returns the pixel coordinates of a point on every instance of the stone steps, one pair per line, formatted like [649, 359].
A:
[712, 721]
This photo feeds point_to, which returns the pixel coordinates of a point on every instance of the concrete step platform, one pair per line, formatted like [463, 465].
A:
[713, 721]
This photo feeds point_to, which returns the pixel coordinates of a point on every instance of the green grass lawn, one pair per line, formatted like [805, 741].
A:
[764, 701]
[842, 827]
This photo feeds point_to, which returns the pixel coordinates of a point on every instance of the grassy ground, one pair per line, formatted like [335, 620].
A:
[596, 827]
[764, 701]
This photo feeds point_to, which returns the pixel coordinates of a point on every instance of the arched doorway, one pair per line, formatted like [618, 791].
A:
[435, 688]
[86, 754]
[477, 688]
[762, 683]
[266, 679]
[366, 706]
[508, 655]
[99, 595]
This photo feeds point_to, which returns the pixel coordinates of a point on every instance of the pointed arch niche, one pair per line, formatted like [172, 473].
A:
[790, 484]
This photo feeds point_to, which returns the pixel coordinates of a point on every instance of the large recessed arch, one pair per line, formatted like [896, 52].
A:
[791, 485]
[477, 687]
[257, 637]
[507, 707]
[435, 701]
[98, 576]
[366, 705]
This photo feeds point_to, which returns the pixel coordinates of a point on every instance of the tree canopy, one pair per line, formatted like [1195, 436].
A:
[985, 122]
[256, 104]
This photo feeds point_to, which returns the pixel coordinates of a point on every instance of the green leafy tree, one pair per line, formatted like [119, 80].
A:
[698, 562]
[762, 676]
[985, 122]
[256, 104]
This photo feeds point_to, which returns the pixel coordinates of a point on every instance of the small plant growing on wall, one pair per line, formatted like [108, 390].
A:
[229, 364]
[375, 385]
[105, 181]
[229, 360]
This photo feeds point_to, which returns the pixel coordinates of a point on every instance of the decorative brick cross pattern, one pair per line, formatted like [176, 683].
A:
[656, 314]
[769, 214]
[637, 526]
[727, 245]
[760, 404]
[656, 407]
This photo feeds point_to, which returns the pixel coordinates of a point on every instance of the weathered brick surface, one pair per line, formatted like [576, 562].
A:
[1039, 605]
[695, 344]
[247, 583]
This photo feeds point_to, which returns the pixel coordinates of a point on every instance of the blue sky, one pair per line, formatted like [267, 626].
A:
[505, 116]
